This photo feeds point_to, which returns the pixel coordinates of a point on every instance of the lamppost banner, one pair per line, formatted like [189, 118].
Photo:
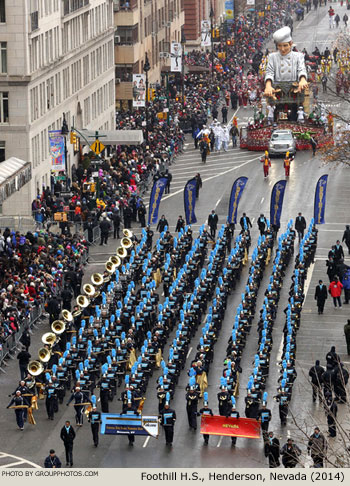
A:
[138, 90]
[176, 57]
[205, 33]
[58, 159]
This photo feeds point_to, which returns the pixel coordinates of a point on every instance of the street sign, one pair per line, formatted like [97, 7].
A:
[97, 147]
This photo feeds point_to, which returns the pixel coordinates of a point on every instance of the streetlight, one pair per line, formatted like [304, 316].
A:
[212, 41]
[183, 42]
[146, 68]
[64, 132]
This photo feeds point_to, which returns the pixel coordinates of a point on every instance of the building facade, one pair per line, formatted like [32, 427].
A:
[57, 56]
[143, 26]
[198, 10]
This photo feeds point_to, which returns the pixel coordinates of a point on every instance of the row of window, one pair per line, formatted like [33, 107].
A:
[2, 12]
[71, 79]
[99, 102]
[44, 49]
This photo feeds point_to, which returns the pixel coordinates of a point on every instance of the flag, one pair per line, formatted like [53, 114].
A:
[276, 204]
[154, 200]
[236, 193]
[190, 201]
[320, 199]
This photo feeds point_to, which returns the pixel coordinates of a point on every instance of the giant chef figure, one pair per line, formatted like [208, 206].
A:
[285, 65]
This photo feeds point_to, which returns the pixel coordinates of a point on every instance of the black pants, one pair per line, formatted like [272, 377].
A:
[79, 415]
[131, 438]
[104, 238]
[283, 409]
[320, 306]
[318, 460]
[212, 231]
[192, 419]
[116, 230]
[335, 300]
[169, 434]
[95, 428]
[316, 391]
[206, 438]
[51, 407]
[23, 371]
[69, 452]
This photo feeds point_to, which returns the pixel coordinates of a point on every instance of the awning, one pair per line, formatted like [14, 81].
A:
[115, 137]
[10, 167]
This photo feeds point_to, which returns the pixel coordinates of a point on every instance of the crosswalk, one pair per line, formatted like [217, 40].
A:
[10, 461]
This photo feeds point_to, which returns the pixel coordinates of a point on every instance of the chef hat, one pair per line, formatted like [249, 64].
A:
[282, 35]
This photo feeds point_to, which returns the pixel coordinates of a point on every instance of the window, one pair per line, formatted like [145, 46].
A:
[3, 57]
[2, 151]
[2, 12]
[4, 107]
[128, 35]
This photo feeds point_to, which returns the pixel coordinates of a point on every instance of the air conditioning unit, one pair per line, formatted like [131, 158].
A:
[117, 80]
[116, 5]
[116, 39]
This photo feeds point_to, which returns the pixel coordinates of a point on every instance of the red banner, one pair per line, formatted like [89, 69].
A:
[233, 427]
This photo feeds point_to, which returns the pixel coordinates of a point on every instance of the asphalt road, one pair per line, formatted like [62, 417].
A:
[316, 335]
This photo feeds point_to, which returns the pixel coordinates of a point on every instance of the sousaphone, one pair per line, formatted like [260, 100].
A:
[58, 327]
[44, 355]
[67, 316]
[126, 243]
[97, 279]
[115, 260]
[110, 267]
[122, 252]
[35, 368]
[49, 338]
[89, 290]
[82, 301]
[127, 233]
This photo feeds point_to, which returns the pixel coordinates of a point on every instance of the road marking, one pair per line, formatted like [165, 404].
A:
[12, 464]
[218, 202]
[262, 200]
[288, 434]
[146, 441]
[220, 440]
[189, 352]
[19, 459]
[253, 219]
[270, 183]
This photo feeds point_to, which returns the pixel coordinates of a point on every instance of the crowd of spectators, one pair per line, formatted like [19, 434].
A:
[32, 268]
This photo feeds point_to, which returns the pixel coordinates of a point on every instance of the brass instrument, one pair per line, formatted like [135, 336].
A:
[97, 279]
[49, 338]
[82, 301]
[126, 243]
[127, 233]
[76, 314]
[58, 327]
[110, 267]
[35, 368]
[122, 252]
[67, 316]
[44, 355]
[89, 290]
[115, 260]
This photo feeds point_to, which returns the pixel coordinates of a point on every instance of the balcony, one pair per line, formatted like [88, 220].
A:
[70, 6]
[127, 14]
[126, 54]
[34, 21]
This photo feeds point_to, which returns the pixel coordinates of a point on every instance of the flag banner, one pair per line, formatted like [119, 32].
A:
[154, 200]
[229, 9]
[233, 427]
[236, 193]
[138, 90]
[320, 199]
[176, 57]
[205, 33]
[190, 201]
[125, 424]
[276, 204]
[58, 156]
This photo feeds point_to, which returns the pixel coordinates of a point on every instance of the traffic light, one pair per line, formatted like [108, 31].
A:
[229, 42]
[153, 94]
[73, 138]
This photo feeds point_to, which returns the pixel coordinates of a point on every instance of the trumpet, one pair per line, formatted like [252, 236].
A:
[97, 279]
[67, 316]
[49, 338]
[58, 327]
[35, 368]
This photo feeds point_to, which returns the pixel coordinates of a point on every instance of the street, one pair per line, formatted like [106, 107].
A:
[315, 337]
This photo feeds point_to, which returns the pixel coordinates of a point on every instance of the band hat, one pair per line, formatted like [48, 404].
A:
[282, 35]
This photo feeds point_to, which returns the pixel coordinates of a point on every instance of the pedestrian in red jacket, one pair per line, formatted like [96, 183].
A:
[335, 289]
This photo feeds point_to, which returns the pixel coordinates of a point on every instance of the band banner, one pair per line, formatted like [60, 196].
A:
[119, 424]
[138, 90]
[176, 57]
[190, 201]
[276, 204]
[320, 199]
[229, 426]
[236, 193]
[154, 200]
[57, 151]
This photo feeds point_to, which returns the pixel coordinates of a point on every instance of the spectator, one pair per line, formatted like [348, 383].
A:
[52, 461]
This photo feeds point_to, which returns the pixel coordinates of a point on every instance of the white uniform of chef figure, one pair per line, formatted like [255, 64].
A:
[225, 137]
[218, 132]
[285, 65]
